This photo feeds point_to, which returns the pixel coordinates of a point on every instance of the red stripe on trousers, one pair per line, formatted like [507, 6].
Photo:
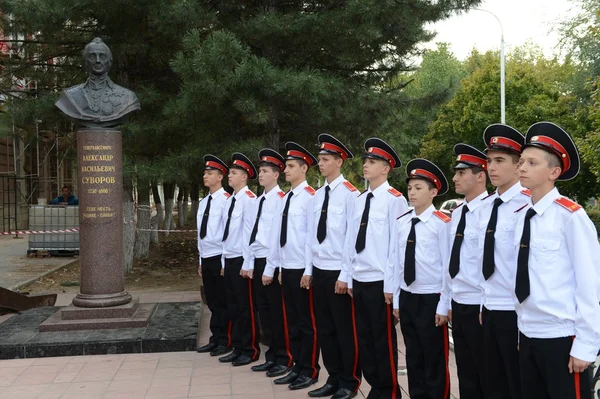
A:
[391, 351]
[355, 336]
[314, 326]
[286, 332]
[252, 319]
[446, 358]
[577, 382]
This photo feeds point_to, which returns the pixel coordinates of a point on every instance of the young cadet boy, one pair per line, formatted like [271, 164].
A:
[417, 275]
[368, 245]
[556, 285]
[289, 252]
[210, 248]
[465, 271]
[268, 296]
[497, 232]
[238, 221]
[326, 269]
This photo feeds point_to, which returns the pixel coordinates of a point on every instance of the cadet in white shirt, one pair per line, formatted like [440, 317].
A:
[289, 253]
[368, 245]
[326, 268]
[420, 284]
[497, 232]
[238, 220]
[210, 248]
[464, 268]
[556, 284]
[278, 357]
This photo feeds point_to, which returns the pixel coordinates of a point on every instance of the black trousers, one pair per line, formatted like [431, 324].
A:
[500, 354]
[426, 346]
[468, 349]
[302, 329]
[337, 330]
[240, 304]
[214, 290]
[377, 342]
[269, 302]
[545, 370]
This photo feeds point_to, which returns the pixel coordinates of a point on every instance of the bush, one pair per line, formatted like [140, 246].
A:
[594, 214]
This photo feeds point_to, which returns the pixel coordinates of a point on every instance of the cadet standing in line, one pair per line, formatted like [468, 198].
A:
[289, 252]
[368, 244]
[238, 221]
[497, 232]
[420, 249]
[558, 262]
[470, 175]
[327, 270]
[268, 298]
[210, 248]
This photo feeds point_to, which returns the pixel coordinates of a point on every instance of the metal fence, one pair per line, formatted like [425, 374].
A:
[16, 194]
[49, 218]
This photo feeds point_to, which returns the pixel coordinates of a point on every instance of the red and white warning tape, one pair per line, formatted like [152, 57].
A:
[24, 232]
[169, 231]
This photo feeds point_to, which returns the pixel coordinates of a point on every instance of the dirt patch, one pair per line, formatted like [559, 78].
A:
[171, 266]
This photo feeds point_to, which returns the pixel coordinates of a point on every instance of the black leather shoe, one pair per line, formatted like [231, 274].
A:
[206, 348]
[268, 365]
[277, 370]
[343, 393]
[229, 358]
[221, 350]
[302, 382]
[324, 391]
[288, 379]
[243, 360]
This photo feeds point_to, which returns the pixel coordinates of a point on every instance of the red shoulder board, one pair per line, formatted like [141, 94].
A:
[250, 194]
[310, 190]
[349, 186]
[394, 192]
[442, 216]
[227, 195]
[568, 204]
[526, 192]
[281, 194]
[521, 208]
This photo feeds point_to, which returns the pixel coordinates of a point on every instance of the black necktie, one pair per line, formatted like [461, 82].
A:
[362, 231]
[204, 223]
[522, 285]
[322, 228]
[409, 254]
[488, 244]
[226, 232]
[458, 239]
[284, 218]
[255, 228]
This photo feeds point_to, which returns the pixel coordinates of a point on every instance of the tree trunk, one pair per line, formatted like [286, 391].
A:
[183, 214]
[128, 226]
[180, 206]
[169, 190]
[157, 219]
[195, 197]
[142, 243]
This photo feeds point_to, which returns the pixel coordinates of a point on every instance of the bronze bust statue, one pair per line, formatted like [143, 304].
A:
[98, 102]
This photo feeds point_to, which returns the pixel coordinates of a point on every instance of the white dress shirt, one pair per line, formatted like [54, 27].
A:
[499, 289]
[385, 207]
[465, 287]
[261, 246]
[240, 226]
[293, 254]
[564, 263]
[431, 252]
[330, 254]
[212, 243]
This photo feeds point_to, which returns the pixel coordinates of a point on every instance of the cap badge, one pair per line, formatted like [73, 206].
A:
[494, 139]
[535, 138]
[458, 158]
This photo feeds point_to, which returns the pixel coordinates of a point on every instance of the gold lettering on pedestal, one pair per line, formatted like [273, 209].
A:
[94, 160]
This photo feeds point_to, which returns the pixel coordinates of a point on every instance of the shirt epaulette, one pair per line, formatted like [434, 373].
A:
[226, 194]
[281, 194]
[349, 186]
[310, 190]
[488, 196]
[250, 194]
[521, 208]
[526, 192]
[442, 216]
[568, 204]
[394, 192]
[404, 214]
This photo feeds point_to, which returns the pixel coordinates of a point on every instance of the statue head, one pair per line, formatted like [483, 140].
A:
[97, 58]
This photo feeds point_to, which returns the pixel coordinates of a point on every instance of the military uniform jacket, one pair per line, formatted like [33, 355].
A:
[564, 264]
[386, 206]
[293, 254]
[268, 218]
[240, 226]
[431, 251]
[330, 254]
[212, 243]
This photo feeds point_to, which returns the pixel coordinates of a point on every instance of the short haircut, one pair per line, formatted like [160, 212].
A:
[274, 168]
[477, 169]
[553, 160]
[429, 183]
[67, 187]
[300, 162]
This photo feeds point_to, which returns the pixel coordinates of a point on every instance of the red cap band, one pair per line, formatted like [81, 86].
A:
[473, 160]
[273, 160]
[556, 148]
[216, 165]
[245, 166]
[383, 154]
[505, 142]
[427, 175]
[298, 154]
[334, 148]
